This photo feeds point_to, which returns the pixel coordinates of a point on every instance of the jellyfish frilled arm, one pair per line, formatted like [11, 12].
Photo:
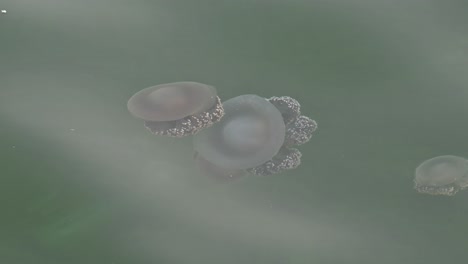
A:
[299, 129]
[286, 159]
[189, 125]
[289, 107]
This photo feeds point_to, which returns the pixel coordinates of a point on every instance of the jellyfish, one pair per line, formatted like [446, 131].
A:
[442, 175]
[177, 109]
[256, 136]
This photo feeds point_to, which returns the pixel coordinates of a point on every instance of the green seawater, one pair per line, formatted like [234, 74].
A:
[82, 181]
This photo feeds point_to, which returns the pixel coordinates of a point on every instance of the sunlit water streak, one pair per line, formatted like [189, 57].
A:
[144, 169]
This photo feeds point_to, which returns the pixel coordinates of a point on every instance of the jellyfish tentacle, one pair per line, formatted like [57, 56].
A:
[300, 131]
[189, 125]
[463, 181]
[449, 190]
[159, 128]
[286, 159]
[289, 107]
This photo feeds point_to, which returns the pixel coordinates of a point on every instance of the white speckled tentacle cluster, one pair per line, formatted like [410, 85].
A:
[299, 130]
[189, 125]
[448, 190]
[286, 159]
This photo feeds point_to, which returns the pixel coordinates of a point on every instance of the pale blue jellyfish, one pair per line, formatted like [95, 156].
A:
[255, 136]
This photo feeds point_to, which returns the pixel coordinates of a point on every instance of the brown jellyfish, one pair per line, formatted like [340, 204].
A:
[177, 109]
[442, 175]
[254, 136]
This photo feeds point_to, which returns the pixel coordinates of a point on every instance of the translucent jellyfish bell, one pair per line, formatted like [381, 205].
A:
[442, 175]
[251, 132]
[177, 109]
[252, 139]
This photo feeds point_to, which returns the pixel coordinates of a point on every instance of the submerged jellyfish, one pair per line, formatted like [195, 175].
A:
[256, 135]
[177, 109]
[442, 175]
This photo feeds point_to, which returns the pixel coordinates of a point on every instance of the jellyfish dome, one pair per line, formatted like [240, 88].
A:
[442, 175]
[256, 136]
[251, 132]
[177, 109]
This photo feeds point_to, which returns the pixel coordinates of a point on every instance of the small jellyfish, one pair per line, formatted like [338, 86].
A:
[177, 109]
[256, 136]
[442, 175]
